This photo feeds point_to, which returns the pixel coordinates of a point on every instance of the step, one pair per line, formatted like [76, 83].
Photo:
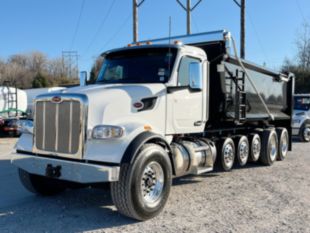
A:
[201, 170]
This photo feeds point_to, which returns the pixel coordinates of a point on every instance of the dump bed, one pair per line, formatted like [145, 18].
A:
[232, 95]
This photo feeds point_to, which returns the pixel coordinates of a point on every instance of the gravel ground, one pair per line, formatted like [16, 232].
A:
[251, 199]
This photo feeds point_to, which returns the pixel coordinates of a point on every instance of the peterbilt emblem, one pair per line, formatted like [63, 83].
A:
[56, 99]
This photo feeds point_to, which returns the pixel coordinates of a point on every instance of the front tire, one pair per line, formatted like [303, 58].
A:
[144, 185]
[40, 184]
[304, 133]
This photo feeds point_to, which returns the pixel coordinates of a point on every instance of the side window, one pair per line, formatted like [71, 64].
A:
[183, 75]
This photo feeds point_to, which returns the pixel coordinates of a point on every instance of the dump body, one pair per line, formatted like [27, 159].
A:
[226, 79]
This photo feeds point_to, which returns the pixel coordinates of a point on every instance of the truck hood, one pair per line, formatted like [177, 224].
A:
[111, 104]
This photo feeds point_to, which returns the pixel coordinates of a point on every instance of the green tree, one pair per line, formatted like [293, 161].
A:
[39, 81]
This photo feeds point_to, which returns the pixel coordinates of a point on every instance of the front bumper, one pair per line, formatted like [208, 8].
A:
[70, 170]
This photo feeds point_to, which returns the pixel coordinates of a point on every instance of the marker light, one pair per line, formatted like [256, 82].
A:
[107, 132]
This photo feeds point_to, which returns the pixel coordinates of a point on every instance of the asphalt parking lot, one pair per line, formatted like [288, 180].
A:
[250, 199]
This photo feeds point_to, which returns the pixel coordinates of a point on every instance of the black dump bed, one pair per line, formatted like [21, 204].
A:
[233, 97]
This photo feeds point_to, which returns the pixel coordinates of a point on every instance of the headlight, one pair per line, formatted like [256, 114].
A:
[107, 131]
[25, 126]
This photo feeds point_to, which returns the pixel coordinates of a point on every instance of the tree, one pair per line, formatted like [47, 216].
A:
[39, 81]
[95, 69]
[301, 68]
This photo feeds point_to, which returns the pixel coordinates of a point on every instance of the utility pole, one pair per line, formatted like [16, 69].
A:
[242, 27]
[188, 8]
[135, 7]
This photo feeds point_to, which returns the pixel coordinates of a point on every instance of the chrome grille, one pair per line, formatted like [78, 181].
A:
[58, 127]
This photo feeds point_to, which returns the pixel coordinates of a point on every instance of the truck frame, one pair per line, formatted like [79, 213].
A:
[159, 109]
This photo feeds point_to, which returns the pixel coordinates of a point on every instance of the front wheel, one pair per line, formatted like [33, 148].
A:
[144, 185]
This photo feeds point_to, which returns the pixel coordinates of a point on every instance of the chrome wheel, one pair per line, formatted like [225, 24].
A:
[256, 148]
[273, 149]
[152, 183]
[306, 134]
[284, 145]
[243, 152]
[228, 153]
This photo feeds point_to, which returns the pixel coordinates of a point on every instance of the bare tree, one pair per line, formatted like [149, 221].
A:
[303, 47]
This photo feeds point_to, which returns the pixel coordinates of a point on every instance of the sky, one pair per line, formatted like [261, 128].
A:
[94, 26]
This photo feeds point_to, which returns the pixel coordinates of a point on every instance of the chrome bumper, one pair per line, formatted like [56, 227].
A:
[70, 170]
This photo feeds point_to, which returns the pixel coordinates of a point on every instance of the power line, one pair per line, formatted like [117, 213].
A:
[116, 33]
[300, 10]
[100, 27]
[258, 38]
[78, 24]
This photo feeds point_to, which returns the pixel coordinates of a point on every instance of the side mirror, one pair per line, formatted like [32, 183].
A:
[195, 76]
[83, 78]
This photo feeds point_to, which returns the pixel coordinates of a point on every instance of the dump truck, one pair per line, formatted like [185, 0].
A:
[159, 109]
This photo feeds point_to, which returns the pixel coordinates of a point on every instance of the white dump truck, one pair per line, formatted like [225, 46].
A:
[159, 109]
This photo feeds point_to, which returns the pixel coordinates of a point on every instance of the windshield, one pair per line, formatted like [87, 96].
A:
[145, 65]
[302, 103]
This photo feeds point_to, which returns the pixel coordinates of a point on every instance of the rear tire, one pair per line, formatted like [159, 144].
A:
[270, 147]
[40, 184]
[242, 152]
[144, 185]
[227, 154]
[283, 143]
[255, 149]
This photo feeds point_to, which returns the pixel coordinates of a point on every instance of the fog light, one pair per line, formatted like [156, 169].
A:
[107, 131]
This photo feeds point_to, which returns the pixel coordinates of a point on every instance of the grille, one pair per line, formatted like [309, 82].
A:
[58, 126]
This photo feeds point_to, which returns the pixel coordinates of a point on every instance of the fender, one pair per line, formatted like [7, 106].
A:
[132, 150]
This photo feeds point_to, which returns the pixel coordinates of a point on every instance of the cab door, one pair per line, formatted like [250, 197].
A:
[186, 102]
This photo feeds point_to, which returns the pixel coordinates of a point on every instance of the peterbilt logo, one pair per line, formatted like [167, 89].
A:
[56, 99]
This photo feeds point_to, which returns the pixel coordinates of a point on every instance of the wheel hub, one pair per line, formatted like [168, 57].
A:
[256, 148]
[273, 148]
[152, 183]
[228, 155]
[243, 151]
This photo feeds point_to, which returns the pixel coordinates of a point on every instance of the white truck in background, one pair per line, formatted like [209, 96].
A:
[301, 117]
[159, 109]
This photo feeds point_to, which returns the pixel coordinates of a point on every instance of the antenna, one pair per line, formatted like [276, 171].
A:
[169, 50]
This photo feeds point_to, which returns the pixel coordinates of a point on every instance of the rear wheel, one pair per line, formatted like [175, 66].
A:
[227, 154]
[269, 147]
[255, 150]
[283, 143]
[144, 186]
[40, 184]
[243, 150]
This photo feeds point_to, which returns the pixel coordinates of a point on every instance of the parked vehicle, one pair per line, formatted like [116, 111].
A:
[13, 105]
[158, 110]
[301, 117]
